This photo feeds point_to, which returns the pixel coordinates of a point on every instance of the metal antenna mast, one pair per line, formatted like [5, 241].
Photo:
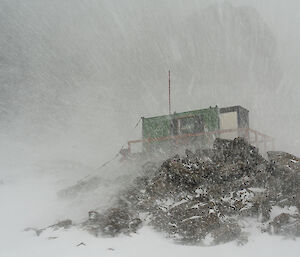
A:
[169, 92]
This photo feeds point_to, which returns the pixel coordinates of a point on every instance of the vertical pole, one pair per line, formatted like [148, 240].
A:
[248, 135]
[273, 144]
[129, 147]
[169, 92]
[256, 140]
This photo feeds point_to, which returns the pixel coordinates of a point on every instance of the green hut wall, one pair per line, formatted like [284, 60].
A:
[160, 126]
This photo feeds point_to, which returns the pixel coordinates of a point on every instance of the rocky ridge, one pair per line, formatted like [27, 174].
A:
[207, 196]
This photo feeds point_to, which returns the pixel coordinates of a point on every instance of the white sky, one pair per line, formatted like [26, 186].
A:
[76, 75]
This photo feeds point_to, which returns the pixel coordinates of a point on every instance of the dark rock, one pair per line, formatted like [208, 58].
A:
[226, 232]
[135, 224]
[112, 222]
[204, 194]
[284, 161]
[63, 224]
[115, 221]
[94, 216]
[285, 224]
[297, 200]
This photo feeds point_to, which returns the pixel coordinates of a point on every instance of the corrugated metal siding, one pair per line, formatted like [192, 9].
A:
[157, 127]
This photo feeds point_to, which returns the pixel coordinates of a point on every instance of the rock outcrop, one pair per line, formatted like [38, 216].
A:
[207, 194]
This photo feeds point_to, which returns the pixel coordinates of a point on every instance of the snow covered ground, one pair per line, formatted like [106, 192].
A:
[28, 199]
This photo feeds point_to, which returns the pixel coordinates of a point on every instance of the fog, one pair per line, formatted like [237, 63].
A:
[76, 75]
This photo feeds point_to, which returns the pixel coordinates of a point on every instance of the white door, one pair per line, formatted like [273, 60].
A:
[229, 120]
